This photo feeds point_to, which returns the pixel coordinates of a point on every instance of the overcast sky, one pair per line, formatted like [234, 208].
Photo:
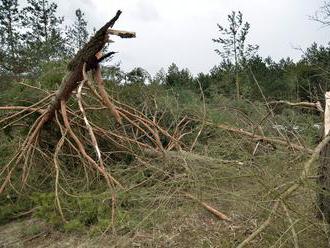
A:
[180, 31]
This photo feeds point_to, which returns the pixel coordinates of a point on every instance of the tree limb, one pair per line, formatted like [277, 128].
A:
[316, 106]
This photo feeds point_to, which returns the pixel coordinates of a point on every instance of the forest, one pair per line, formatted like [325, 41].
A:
[92, 155]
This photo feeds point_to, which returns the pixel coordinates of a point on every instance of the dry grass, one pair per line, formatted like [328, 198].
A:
[236, 175]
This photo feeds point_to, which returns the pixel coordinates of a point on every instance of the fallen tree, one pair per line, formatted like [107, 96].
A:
[133, 132]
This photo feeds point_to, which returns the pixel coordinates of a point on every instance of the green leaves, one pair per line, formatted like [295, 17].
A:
[77, 34]
[233, 40]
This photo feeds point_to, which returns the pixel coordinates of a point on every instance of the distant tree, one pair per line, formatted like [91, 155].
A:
[275, 79]
[176, 77]
[160, 77]
[313, 73]
[323, 14]
[43, 31]
[205, 82]
[114, 73]
[77, 34]
[138, 75]
[233, 43]
[9, 35]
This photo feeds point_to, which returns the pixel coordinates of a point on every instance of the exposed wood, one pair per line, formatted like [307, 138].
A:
[121, 33]
[327, 114]
[26, 109]
[75, 68]
[104, 97]
[311, 105]
[212, 210]
[324, 167]
[260, 138]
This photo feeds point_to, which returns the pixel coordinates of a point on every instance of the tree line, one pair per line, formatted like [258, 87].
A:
[34, 35]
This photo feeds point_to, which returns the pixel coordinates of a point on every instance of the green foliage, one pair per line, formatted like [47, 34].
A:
[233, 40]
[77, 34]
[51, 75]
[178, 78]
[10, 51]
[11, 206]
[43, 33]
[138, 76]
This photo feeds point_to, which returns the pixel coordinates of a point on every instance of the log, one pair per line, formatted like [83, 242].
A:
[310, 105]
[257, 138]
[324, 168]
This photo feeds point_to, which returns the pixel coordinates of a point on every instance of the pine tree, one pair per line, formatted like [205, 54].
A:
[9, 35]
[233, 42]
[77, 35]
[43, 35]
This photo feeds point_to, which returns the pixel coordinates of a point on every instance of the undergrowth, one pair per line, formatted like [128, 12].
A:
[235, 175]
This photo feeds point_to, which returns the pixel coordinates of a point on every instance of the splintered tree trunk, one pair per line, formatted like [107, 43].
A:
[324, 168]
[88, 55]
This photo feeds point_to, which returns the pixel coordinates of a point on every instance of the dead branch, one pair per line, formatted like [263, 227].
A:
[294, 233]
[212, 210]
[104, 97]
[121, 33]
[310, 105]
[22, 108]
[204, 117]
[75, 68]
[57, 173]
[299, 182]
[327, 114]
[95, 143]
[256, 137]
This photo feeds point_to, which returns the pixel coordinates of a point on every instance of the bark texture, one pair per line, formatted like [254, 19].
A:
[324, 167]
[75, 67]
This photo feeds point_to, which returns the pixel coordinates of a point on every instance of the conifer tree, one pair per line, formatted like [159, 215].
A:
[233, 43]
[77, 35]
[43, 35]
[9, 35]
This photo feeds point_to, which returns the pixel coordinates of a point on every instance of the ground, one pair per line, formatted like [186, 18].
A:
[158, 214]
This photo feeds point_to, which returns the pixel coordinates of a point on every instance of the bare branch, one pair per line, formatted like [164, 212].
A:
[121, 33]
[311, 105]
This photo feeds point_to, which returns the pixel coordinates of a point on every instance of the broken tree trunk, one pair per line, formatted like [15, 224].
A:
[88, 55]
[324, 167]
[86, 60]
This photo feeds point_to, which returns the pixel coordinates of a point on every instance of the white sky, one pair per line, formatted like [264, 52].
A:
[180, 31]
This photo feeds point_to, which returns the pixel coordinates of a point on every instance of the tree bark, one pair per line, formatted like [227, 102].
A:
[324, 168]
[75, 68]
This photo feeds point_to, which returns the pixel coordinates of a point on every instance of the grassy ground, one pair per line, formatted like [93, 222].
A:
[156, 213]
[231, 173]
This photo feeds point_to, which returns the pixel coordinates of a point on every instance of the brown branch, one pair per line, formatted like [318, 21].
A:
[316, 106]
[82, 150]
[212, 210]
[121, 33]
[75, 68]
[256, 137]
[105, 98]
[304, 176]
[24, 109]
